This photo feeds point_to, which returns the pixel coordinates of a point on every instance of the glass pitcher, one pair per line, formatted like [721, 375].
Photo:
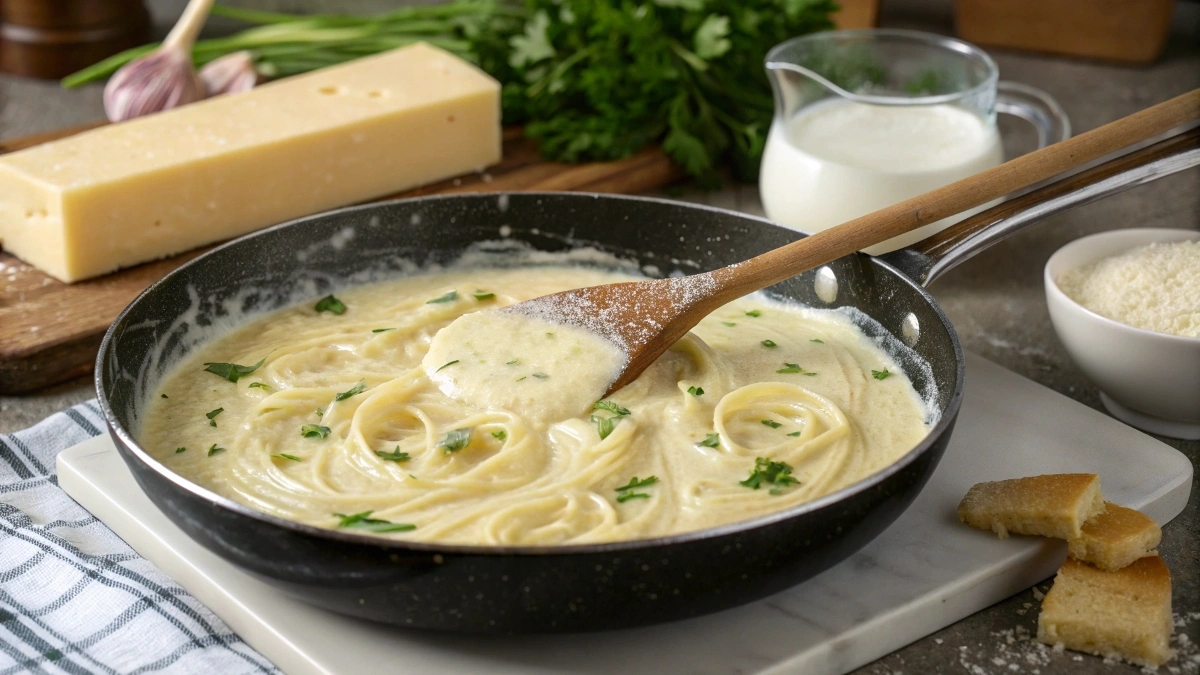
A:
[868, 118]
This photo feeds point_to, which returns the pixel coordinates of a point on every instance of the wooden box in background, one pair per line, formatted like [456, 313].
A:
[1133, 31]
[856, 14]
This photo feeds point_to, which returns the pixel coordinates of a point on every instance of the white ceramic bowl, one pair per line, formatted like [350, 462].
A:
[1147, 379]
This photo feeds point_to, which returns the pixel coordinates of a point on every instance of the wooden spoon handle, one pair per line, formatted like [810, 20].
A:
[828, 245]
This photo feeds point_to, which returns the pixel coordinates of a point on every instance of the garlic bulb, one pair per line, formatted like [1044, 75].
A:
[163, 78]
[229, 74]
[158, 81]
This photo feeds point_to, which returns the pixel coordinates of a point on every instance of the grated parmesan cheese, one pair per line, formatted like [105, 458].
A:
[1156, 287]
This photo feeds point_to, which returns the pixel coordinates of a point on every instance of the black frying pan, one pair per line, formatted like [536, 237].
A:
[561, 588]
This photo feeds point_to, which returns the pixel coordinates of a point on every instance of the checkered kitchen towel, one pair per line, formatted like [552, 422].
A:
[74, 598]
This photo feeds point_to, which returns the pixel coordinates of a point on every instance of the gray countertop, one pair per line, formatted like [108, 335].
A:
[995, 300]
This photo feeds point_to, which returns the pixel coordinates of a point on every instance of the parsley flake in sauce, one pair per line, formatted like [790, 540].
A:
[818, 341]
[394, 456]
[604, 425]
[163, 395]
[284, 455]
[696, 391]
[483, 295]
[314, 431]
[769, 344]
[259, 385]
[446, 365]
[456, 440]
[610, 407]
[880, 374]
[381, 330]
[511, 363]
[330, 304]
[772, 423]
[500, 435]
[772, 473]
[232, 371]
[364, 521]
[541, 376]
[214, 450]
[626, 492]
[179, 450]
[356, 389]
[754, 313]
[710, 441]
[212, 416]
[790, 368]
[448, 297]
[794, 433]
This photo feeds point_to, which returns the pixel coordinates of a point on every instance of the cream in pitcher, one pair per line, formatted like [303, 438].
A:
[865, 119]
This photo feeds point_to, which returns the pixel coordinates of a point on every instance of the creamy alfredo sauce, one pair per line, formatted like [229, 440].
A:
[485, 433]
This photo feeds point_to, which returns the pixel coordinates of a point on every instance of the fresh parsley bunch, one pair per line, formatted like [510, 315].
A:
[598, 80]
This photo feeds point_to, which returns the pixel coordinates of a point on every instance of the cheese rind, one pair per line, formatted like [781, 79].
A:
[162, 184]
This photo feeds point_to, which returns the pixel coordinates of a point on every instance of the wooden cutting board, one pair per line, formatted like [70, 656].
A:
[50, 331]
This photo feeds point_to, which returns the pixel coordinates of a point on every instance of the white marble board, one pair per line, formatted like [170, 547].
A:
[925, 572]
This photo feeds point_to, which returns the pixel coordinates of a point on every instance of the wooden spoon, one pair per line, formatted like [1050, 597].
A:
[645, 318]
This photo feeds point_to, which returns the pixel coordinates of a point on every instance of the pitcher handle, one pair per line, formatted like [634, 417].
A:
[1036, 107]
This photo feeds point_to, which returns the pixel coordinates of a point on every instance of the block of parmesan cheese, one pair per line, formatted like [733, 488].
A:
[1055, 505]
[162, 184]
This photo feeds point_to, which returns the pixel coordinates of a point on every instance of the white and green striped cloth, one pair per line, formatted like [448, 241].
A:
[74, 598]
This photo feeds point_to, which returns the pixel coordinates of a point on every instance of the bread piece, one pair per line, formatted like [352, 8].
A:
[1116, 538]
[1055, 505]
[1123, 614]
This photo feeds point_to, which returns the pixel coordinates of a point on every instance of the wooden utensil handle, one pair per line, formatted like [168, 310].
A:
[828, 245]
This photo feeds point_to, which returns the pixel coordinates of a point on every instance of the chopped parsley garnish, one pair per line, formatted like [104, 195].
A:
[811, 374]
[214, 450]
[605, 425]
[729, 323]
[394, 456]
[381, 330]
[522, 378]
[754, 313]
[449, 297]
[259, 385]
[320, 413]
[818, 341]
[483, 295]
[696, 391]
[772, 423]
[773, 473]
[880, 374]
[356, 389]
[626, 492]
[232, 371]
[284, 455]
[179, 450]
[500, 435]
[790, 368]
[212, 416]
[540, 376]
[794, 433]
[710, 441]
[769, 344]
[456, 440]
[314, 431]
[364, 521]
[330, 304]
[163, 395]
[446, 365]
[610, 407]
[511, 363]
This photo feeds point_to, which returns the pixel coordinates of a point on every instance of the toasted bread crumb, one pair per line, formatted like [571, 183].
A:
[1116, 538]
[1055, 505]
[1124, 614]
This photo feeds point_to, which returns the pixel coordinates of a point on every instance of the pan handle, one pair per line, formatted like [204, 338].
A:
[929, 258]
